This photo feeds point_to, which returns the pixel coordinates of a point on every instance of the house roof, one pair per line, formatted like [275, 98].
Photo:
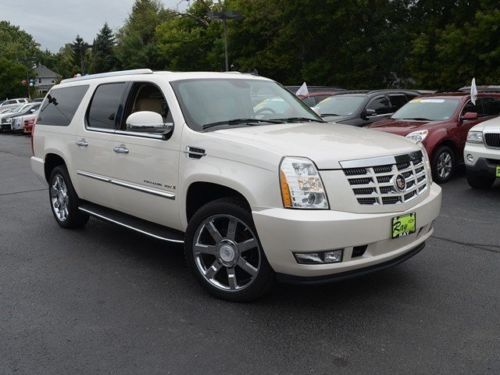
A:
[43, 72]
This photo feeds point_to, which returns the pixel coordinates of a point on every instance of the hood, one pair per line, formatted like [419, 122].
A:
[325, 144]
[338, 118]
[489, 126]
[402, 127]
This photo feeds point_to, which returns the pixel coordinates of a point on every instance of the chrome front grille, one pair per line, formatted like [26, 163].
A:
[375, 181]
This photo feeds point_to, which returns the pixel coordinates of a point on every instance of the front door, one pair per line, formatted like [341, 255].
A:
[145, 163]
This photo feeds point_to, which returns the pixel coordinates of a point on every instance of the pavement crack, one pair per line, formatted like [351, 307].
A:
[21, 192]
[485, 247]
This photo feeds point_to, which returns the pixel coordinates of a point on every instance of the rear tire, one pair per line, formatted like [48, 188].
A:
[443, 164]
[480, 182]
[224, 252]
[64, 200]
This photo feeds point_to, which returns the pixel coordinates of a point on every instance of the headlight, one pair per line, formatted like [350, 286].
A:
[475, 137]
[418, 136]
[301, 185]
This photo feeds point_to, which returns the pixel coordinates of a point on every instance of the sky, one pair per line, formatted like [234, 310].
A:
[52, 23]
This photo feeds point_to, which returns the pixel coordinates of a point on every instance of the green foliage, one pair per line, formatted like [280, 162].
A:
[135, 47]
[190, 41]
[17, 45]
[80, 56]
[352, 44]
[18, 53]
[12, 73]
[103, 58]
[449, 57]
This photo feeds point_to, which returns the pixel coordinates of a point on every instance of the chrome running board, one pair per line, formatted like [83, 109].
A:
[130, 222]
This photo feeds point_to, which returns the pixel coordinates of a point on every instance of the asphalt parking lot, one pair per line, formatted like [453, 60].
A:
[104, 300]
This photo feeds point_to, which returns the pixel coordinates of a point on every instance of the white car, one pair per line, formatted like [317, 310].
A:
[11, 103]
[482, 154]
[13, 121]
[185, 158]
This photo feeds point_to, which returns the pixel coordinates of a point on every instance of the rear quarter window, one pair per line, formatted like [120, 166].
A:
[60, 105]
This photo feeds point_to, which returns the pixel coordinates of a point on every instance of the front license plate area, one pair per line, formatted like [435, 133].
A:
[404, 225]
[498, 171]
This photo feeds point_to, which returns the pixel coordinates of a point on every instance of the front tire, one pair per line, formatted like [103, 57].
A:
[443, 164]
[224, 252]
[64, 200]
[480, 182]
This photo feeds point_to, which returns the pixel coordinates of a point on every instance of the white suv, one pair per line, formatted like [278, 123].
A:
[253, 194]
[482, 154]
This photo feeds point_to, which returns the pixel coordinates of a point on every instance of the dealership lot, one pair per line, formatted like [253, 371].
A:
[106, 300]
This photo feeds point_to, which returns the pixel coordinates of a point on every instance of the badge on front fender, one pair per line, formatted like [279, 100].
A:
[404, 225]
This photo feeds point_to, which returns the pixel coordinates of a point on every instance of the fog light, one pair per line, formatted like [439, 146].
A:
[334, 256]
[470, 158]
[321, 257]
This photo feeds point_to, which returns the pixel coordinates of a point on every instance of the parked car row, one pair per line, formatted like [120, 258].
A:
[18, 115]
[440, 121]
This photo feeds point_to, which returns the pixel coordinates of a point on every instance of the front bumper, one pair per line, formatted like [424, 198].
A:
[485, 160]
[6, 127]
[284, 231]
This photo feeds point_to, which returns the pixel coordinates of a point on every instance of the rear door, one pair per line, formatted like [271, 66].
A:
[93, 145]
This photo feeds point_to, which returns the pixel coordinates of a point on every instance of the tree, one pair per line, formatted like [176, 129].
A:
[190, 41]
[135, 47]
[18, 54]
[80, 47]
[461, 47]
[103, 58]
[12, 73]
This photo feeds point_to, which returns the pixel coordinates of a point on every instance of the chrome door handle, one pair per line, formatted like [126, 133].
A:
[120, 149]
[82, 143]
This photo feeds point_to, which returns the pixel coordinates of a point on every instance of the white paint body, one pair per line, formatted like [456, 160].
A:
[247, 160]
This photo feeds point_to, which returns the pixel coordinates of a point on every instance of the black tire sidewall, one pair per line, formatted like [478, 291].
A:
[265, 277]
[477, 181]
[75, 218]
[435, 158]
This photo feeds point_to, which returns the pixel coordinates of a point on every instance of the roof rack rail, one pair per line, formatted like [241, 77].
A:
[485, 88]
[110, 74]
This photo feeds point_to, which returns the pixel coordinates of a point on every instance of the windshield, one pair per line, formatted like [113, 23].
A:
[340, 105]
[208, 103]
[432, 109]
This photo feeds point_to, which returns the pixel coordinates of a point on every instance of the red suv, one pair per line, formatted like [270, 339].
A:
[441, 123]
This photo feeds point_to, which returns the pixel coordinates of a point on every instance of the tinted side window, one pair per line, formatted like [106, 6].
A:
[469, 107]
[397, 101]
[381, 105]
[60, 105]
[106, 107]
[489, 106]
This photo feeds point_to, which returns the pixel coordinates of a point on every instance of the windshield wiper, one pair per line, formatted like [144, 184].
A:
[299, 119]
[330, 114]
[239, 121]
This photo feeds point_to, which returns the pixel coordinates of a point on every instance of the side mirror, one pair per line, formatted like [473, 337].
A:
[368, 112]
[147, 121]
[469, 116]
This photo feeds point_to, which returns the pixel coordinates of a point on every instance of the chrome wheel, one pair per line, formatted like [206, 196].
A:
[226, 252]
[444, 165]
[59, 198]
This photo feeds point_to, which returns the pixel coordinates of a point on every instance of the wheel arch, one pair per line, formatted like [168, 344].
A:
[200, 193]
[52, 160]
